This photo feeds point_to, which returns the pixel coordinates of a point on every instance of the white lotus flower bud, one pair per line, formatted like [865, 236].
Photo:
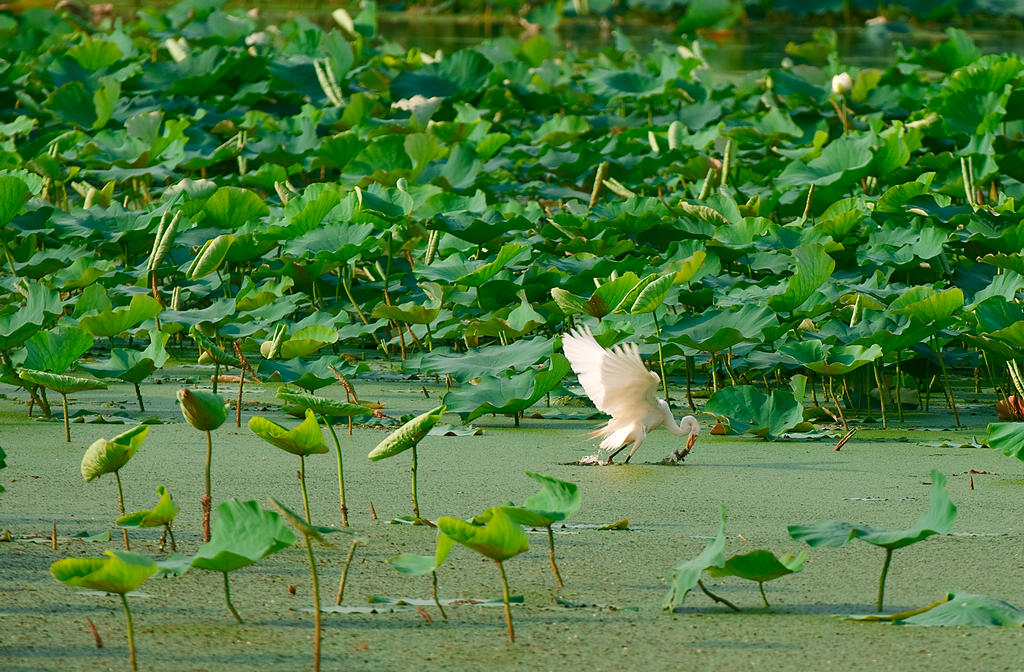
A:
[842, 84]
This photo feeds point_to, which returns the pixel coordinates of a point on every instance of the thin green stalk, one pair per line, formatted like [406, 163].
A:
[238, 406]
[881, 580]
[764, 598]
[216, 376]
[207, 498]
[899, 384]
[227, 598]
[348, 293]
[344, 570]
[839, 408]
[716, 598]
[551, 556]
[881, 395]
[138, 397]
[508, 608]
[661, 365]
[67, 424]
[120, 505]
[316, 605]
[415, 501]
[302, 483]
[341, 472]
[131, 631]
[444, 616]
[945, 381]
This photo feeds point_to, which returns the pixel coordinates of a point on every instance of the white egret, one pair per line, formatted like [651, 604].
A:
[619, 384]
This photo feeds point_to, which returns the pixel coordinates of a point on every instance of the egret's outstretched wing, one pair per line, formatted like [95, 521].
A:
[616, 380]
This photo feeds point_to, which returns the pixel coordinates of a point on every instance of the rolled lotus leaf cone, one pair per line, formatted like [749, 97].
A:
[407, 436]
[203, 410]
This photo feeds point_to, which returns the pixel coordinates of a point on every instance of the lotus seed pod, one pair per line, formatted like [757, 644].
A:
[203, 410]
[842, 84]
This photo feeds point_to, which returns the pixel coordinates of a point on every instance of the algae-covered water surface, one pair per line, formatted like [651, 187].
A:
[609, 614]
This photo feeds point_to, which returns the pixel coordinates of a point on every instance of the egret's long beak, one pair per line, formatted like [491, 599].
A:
[690, 441]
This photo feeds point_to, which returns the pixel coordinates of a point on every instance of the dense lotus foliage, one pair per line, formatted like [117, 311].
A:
[287, 191]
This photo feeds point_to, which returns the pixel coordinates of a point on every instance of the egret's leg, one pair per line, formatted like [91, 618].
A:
[617, 451]
[636, 444]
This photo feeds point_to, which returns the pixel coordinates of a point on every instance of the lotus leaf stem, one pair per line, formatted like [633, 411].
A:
[302, 483]
[415, 501]
[661, 365]
[945, 382]
[120, 505]
[835, 400]
[341, 471]
[316, 605]
[227, 598]
[344, 570]
[207, 498]
[551, 556]
[138, 397]
[716, 598]
[508, 608]
[131, 631]
[433, 576]
[881, 580]
[216, 376]
[881, 395]
[764, 598]
[899, 384]
[67, 422]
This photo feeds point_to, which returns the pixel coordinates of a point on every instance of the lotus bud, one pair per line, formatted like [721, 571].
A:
[842, 84]
[203, 410]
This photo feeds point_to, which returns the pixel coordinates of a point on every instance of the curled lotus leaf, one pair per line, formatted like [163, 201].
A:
[320, 405]
[161, 514]
[243, 533]
[119, 572]
[407, 436]
[202, 409]
[65, 383]
[499, 538]
[105, 456]
[304, 439]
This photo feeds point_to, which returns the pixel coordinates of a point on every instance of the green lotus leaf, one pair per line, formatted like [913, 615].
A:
[407, 436]
[487, 361]
[56, 349]
[1007, 438]
[308, 340]
[938, 519]
[760, 566]
[557, 499]
[112, 322]
[411, 564]
[161, 514]
[510, 394]
[18, 326]
[653, 295]
[202, 409]
[106, 456]
[330, 408]
[209, 257]
[305, 529]
[231, 207]
[813, 266]
[686, 574]
[499, 539]
[133, 366]
[748, 409]
[831, 361]
[120, 572]
[410, 313]
[14, 193]
[304, 439]
[928, 305]
[65, 383]
[243, 533]
[307, 374]
[216, 353]
[959, 608]
[717, 330]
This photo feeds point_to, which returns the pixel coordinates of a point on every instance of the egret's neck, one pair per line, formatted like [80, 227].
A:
[670, 422]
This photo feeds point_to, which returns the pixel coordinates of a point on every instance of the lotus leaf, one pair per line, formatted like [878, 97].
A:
[110, 323]
[305, 439]
[407, 436]
[512, 394]
[958, 608]
[686, 574]
[119, 572]
[1007, 438]
[161, 514]
[243, 533]
[747, 409]
[56, 349]
[498, 538]
[105, 456]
